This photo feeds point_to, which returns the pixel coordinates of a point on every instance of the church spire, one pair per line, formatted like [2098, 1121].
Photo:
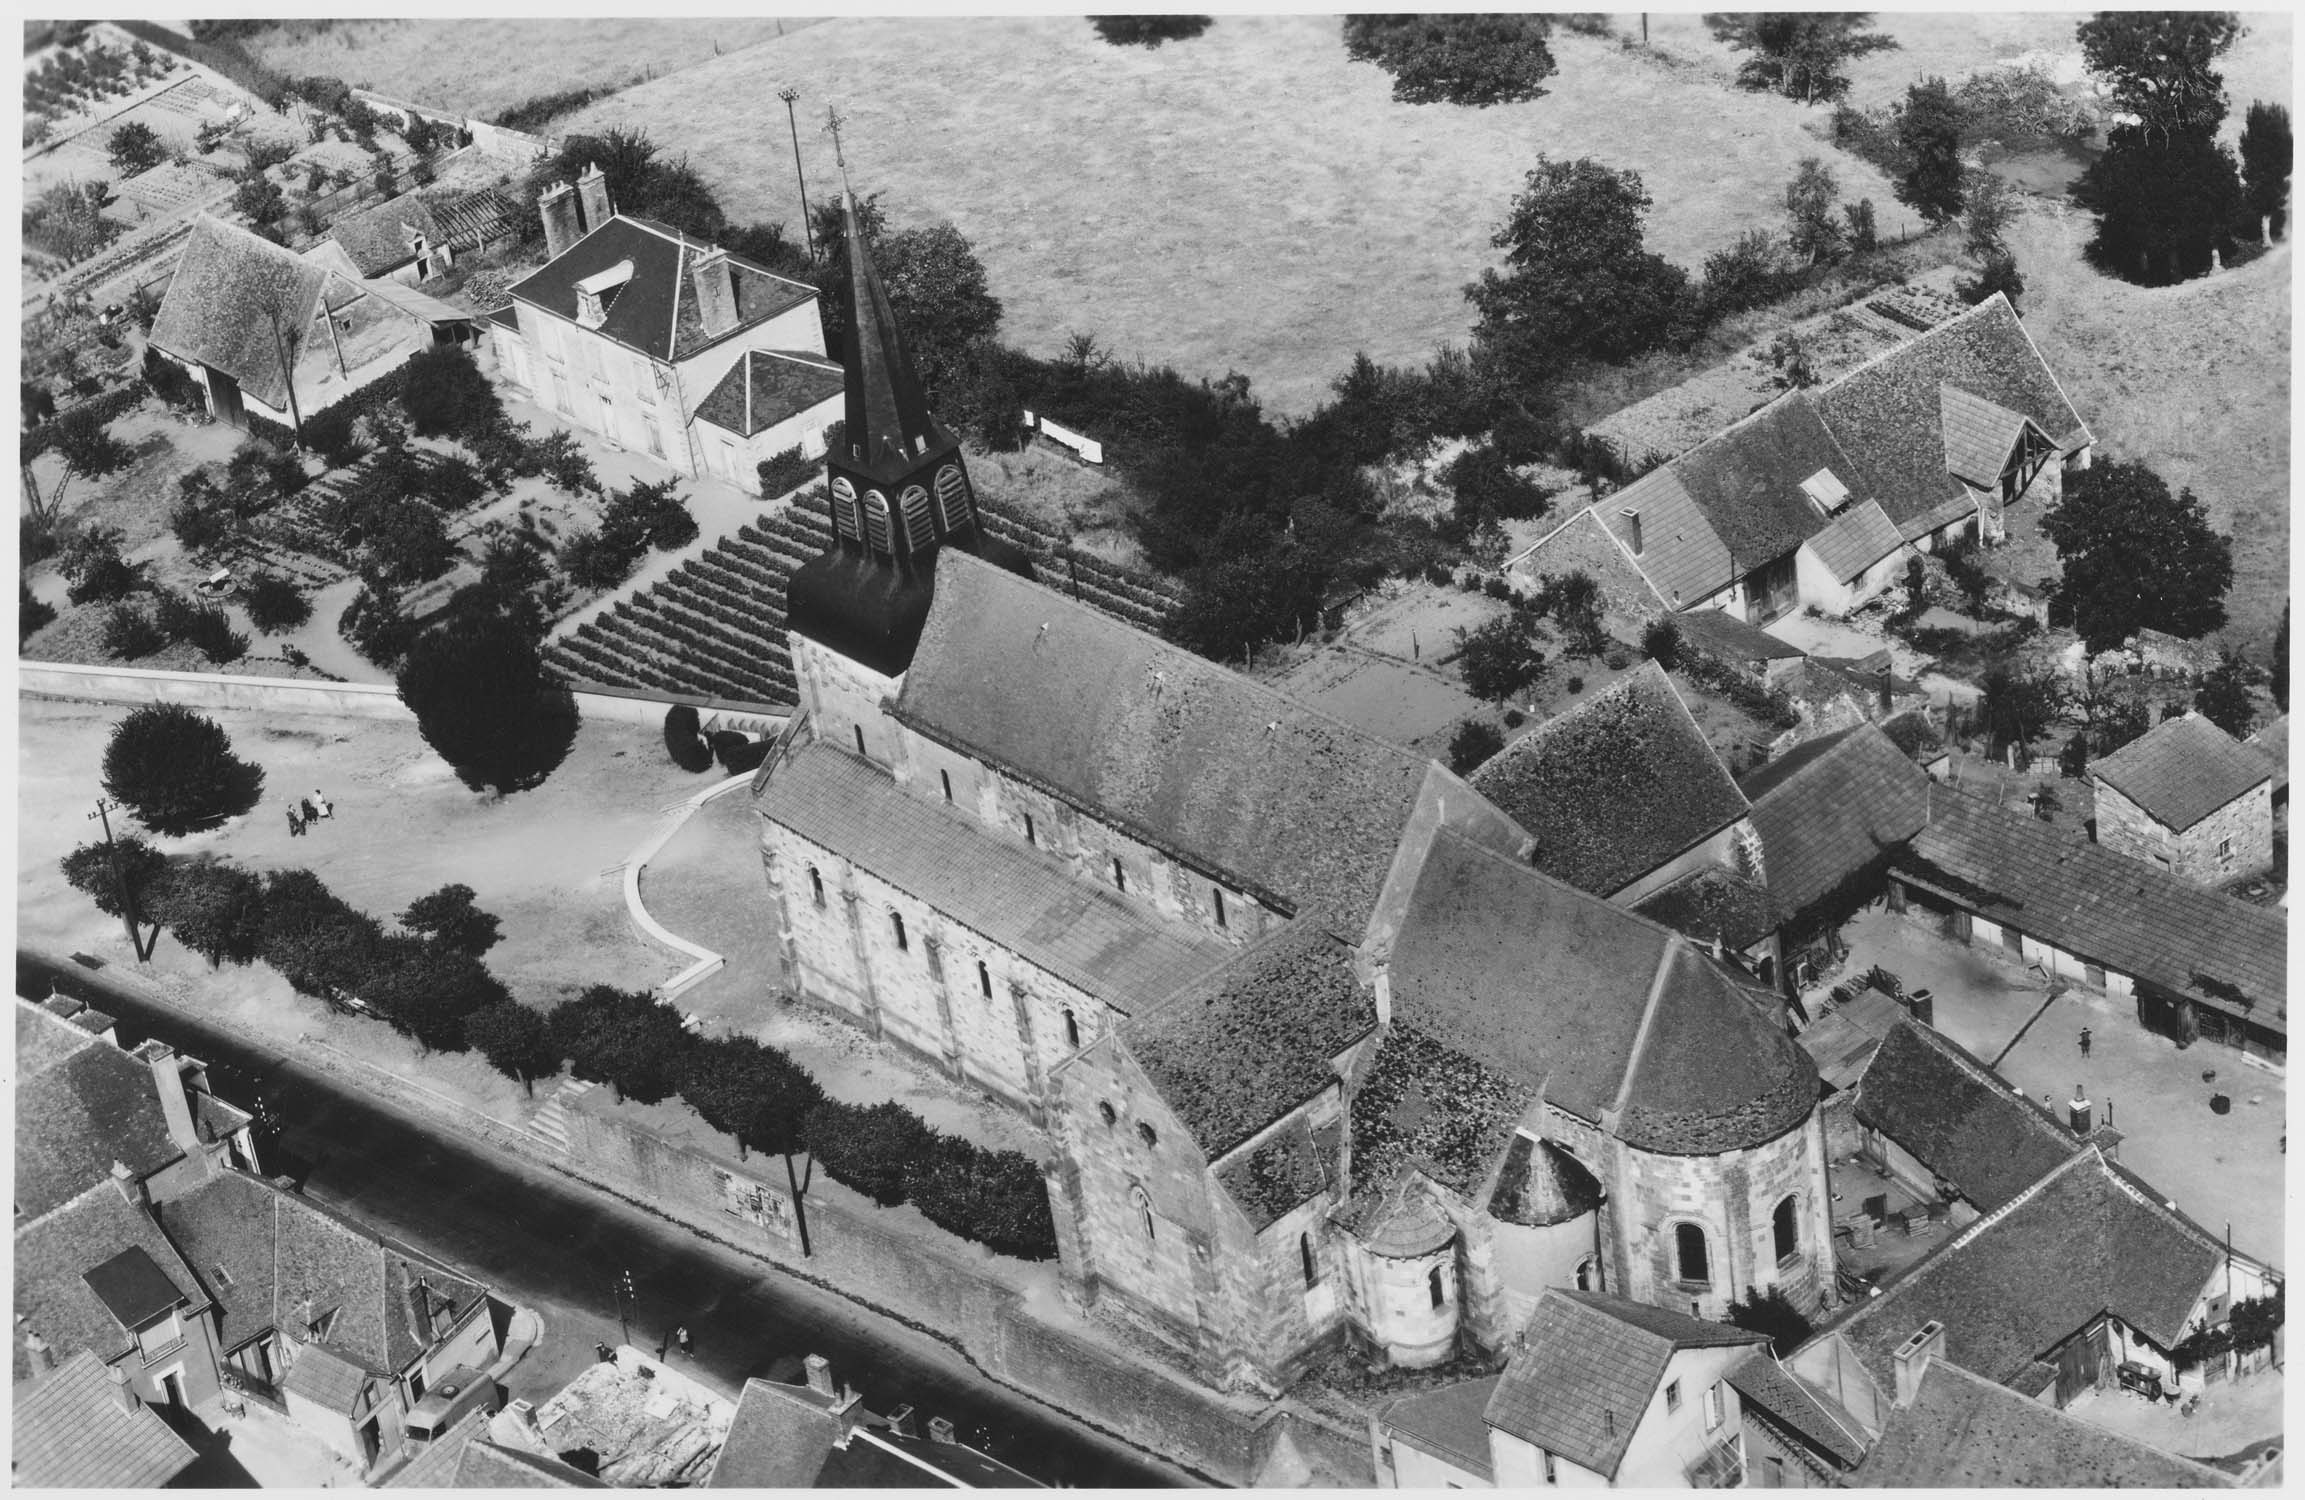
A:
[889, 432]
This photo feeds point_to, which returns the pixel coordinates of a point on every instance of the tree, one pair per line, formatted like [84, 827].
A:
[136, 147]
[2017, 707]
[2267, 153]
[1797, 54]
[651, 514]
[448, 917]
[374, 625]
[89, 870]
[1148, 31]
[1486, 485]
[33, 614]
[936, 285]
[622, 1038]
[485, 703]
[2157, 65]
[1500, 658]
[1864, 230]
[214, 909]
[90, 559]
[275, 603]
[68, 220]
[443, 392]
[1474, 742]
[2136, 557]
[175, 770]
[1476, 60]
[514, 1040]
[319, 942]
[87, 447]
[682, 742]
[1661, 642]
[2162, 204]
[1999, 274]
[2281, 662]
[426, 989]
[1809, 201]
[1749, 274]
[868, 1146]
[1577, 281]
[259, 200]
[642, 182]
[1992, 207]
[1773, 1313]
[1929, 131]
[2224, 698]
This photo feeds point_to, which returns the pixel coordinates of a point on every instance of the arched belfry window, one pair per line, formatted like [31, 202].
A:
[1786, 1226]
[1692, 1262]
[844, 510]
[1144, 1213]
[952, 497]
[918, 533]
[876, 521]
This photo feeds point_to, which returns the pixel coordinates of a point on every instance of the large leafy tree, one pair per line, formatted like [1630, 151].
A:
[87, 447]
[622, 1038]
[1798, 53]
[1455, 59]
[2159, 65]
[1929, 131]
[443, 392]
[2135, 556]
[136, 147]
[2267, 153]
[68, 219]
[762, 1097]
[1148, 31]
[213, 908]
[1577, 279]
[448, 916]
[1502, 657]
[175, 770]
[936, 286]
[642, 181]
[515, 1041]
[484, 701]
[2163, 202]
[426, 989]
[1810, 226]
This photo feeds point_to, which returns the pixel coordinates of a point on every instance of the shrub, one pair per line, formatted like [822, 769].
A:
[594, 562]
[1576, 684]
[32, 613]
[1751, 273]
[321, 944]
[167, 379]
[447, 916]
[98, 572]
[514, 1040]
[374, 626]
[736, 752]
[275, 604]
[130, 633]
[1661, 642]
[444, 393]
[485, 704]
[1474, 742]
[1148, 31]
[683, 742]
[329, 433]
[868, 1146]
[622, 1038]
[1514, 718]
[1501, 658]
[1486, 486]
[782, 472]
[997, 1198]
[175, 770]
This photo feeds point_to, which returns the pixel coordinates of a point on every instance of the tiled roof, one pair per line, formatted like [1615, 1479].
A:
[2181, 770]
[2009, 1290]
[1961, 1432]
[1829, 808]
[1721, 634]
[2106, 908]
[1680, 554]
[1843, 1042]
[1023, 899]
[217, 308]
[953, 1464]
[1585, 1368]
[1713, 903]
[1540, 1184]
[1425, 1109]
[1284, 1170]
[422, 306]
[1447, 1423]
[1615, 786]
[764, 387]
[69, 1432]
[778, 1439]
[78, 1116]
[1550, 987]
[53, 1255]
[1980, 437]
[1945, 1107]
[1794, 1404]
[1199, 761]
[1239, 1048]
[45, 1036]
[655, 310]
[492, 1466]
[380, 238]
[329, 1378]
[1889, 415]
[1857, 538]
[2272, 742]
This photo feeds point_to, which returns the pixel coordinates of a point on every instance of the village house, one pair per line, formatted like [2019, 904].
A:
[397, 240]
[82, 1426]
[664, 344]
[1240, 960]
[814, 1436]
[1816, 499]
[2190, 798]
[1597, 1392]
[273, 336]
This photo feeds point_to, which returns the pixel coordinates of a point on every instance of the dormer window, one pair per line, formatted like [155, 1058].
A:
[1825, 491]
[596, 293]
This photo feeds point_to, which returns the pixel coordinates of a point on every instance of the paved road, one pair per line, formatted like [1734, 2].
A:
[557, 1246]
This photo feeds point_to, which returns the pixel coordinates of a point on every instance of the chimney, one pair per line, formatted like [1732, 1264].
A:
[38, 1355]
[1888, 690]
[1913, 1356]
[819, 1374]
[168, 1081]
[940, 1430]
[592, 188]
[2079, 1114]
[715, 289]
[1384, 988]
[123, 1394]
[900, 1422]
[557, 205]
[131, 1189]
[1633, 526]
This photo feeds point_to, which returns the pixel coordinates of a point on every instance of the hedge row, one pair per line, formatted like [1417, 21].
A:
[104, 408]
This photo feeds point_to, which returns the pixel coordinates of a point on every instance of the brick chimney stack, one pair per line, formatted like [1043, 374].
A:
[2080, 1114]
[715, 287]
[123, 1394]
[1913, 1356]
[125, 1179]
[557, 206]
[168, 1081]
[592, 188]
[819, 1374]
[940, 1430]
[900, 1422]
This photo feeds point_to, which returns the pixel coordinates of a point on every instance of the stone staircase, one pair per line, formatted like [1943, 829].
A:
[550, 1122]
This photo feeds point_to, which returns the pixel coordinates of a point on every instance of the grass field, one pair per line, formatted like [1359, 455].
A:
[1250, 199]
[483, 66]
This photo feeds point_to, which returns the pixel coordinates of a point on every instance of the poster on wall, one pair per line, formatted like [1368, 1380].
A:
[756, 1203]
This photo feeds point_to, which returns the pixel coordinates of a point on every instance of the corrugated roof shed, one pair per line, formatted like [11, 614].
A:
[1447, 1423]
[655, 310]
[69, 1432]
[765, 387]
[1964, 1124]
[1961, 1432]
[2181, 770]
[2106, 908]
[1615, 786]
[1585, 1368]
[1021, 898]
[1857, 538]
[1831, 807]
[218, 306]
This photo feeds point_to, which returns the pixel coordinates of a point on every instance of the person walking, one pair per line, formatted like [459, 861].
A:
[295, 823]
[680, 1337]
[2084, 1041]
[326, 810]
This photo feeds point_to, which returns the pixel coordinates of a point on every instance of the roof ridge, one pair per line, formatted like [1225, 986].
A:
[2160, 1210]
[2218, 1478]
[1636, 1052]
[1965, 1237]
[1961, 1058]
[1900, 347]
[2062, 394]
[1768, 1352]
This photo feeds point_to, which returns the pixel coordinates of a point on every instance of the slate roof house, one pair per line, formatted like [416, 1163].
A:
[400, 239]
[83, 1427]
[810, 1436]
[1240, 959]
[1814, 499]
[665, 344]
[273, 335]
[2190, 798]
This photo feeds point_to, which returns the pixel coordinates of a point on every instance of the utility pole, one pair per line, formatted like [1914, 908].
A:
[792, 121]
[120, 889]
[624, 1290]
[288, 371]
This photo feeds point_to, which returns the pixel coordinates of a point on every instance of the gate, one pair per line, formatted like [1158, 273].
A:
[2080, 1364]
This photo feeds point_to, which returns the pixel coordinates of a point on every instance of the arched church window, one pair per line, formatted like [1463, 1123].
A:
[844, 510]
[896, 925]
[1437, 1283]
[1072, 1033]
[1692, 1261]
[876, 521]
[918, 533]
[1588, 1275]
[1144, 1213]
[984, 979]
[952, 497]
[816, 885]
[1787, 1227]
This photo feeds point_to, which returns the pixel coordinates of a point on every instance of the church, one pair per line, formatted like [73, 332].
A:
[1322, 1056]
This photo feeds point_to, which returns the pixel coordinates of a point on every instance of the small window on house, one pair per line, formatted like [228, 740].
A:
[1672, 1395]
[1712, 1406]
[1552, 1469]
[984, 979]
[2224, 848]
[1104, 1108]
[1147, 1134]
[860, 739]
[1144, 1212]
[946, 778]
[1030, 836]
[1692, 1261]
[896, 925]
[1119, 876]
[1218, 895]
[1071, 1030]
[815, 885]
[1312, 1265]
[223, 1277]
[1437, 1285]
[1786, 1228]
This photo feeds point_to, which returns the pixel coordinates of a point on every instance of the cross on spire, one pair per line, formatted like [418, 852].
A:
[833, 120]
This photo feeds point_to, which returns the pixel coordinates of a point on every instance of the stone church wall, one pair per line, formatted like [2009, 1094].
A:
[1733, 1197]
